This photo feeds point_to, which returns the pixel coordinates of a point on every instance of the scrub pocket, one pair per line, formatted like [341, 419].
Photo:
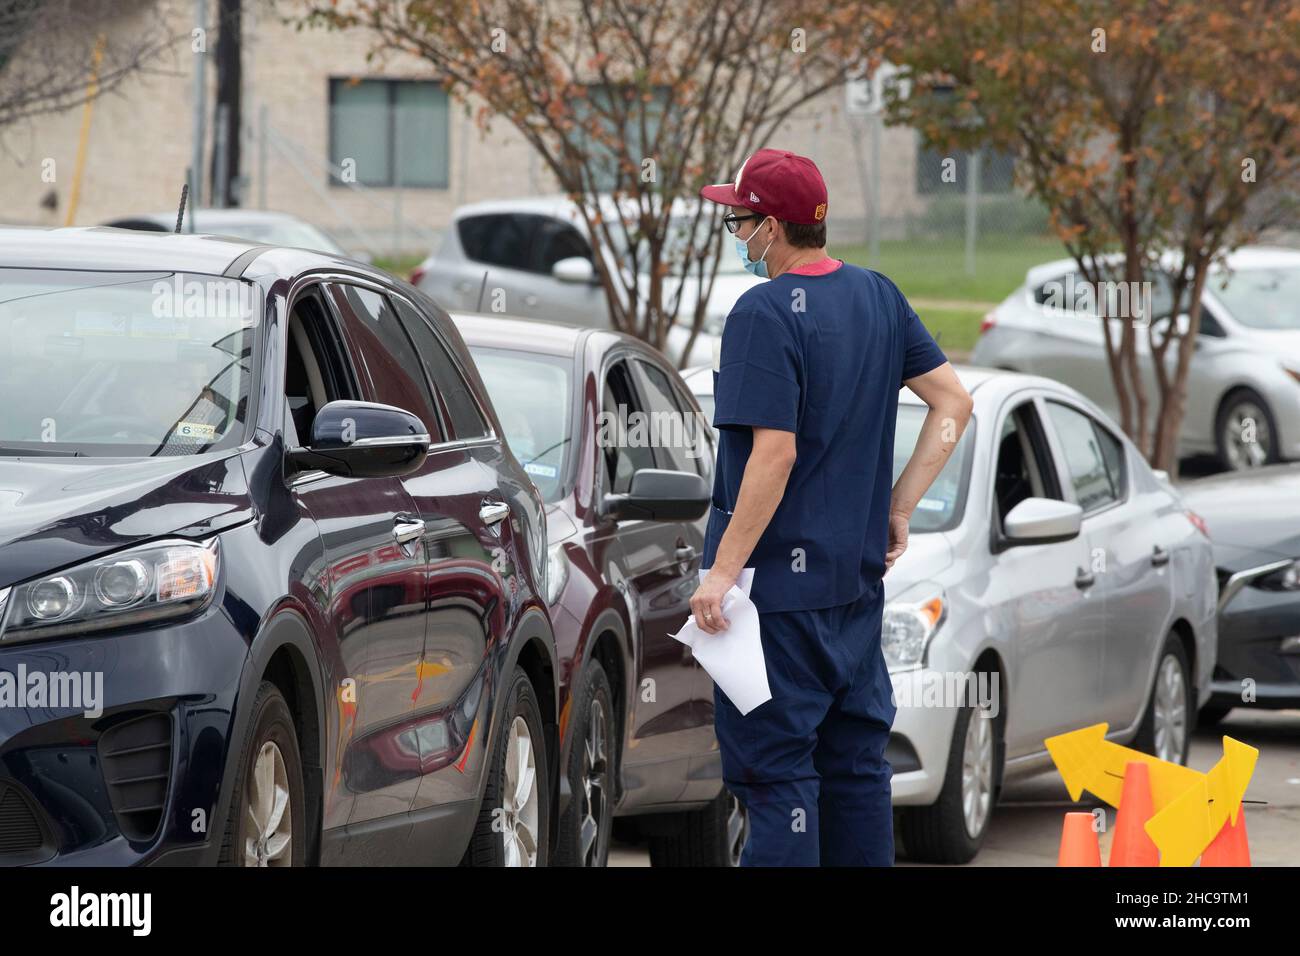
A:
[713, 531]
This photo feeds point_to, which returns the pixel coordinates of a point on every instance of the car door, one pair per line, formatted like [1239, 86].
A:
[1041, 595]
[373, 587]
[581, 303]
[502, 245]
[477, 547]
[666, 725]
[1135, 577]
[460, 514]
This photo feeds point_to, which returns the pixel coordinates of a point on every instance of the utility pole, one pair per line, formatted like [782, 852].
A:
[200, 108]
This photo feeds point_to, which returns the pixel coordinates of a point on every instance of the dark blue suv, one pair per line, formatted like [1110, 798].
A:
[270, 583]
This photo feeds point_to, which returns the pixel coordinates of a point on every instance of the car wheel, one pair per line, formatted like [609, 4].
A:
[1166, 727]
[266, 824]
[511, 827]
[1244, 411]
[585, 825]
[952, 829]
[714, 835]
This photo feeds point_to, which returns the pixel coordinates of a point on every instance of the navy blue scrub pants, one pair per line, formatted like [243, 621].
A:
[809, 765]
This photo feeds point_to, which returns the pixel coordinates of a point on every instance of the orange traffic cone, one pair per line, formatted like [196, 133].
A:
[1132, 846]
[1229, 847]
[1079, 846]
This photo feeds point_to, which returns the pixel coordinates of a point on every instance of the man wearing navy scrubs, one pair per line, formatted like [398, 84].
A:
[806, 392]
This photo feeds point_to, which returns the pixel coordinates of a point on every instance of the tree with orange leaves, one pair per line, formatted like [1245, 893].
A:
[631, 106]
[1160, 134]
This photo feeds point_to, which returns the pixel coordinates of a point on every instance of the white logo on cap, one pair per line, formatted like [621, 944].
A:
[753, 198]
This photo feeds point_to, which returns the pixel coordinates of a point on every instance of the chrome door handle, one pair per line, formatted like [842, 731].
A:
[1084, 580]
[685, 553]
[493, 511]
[1159, 557]
[406, 530]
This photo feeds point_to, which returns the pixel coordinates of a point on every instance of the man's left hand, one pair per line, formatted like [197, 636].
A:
[706, 603]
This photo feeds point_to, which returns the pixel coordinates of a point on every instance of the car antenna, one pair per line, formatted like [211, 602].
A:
[180, 213]
[481, 289]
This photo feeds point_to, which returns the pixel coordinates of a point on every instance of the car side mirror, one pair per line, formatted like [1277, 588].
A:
[1042, 521]
[657, 494]
[363, 440]
[577, 270]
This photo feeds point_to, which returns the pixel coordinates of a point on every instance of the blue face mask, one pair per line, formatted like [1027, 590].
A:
[758, 268]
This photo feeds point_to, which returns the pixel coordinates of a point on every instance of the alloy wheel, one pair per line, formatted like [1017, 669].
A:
[977, 773]
[595, 783]
[1243, 417]
[519, 799]
[1170, 710]
[269, 815]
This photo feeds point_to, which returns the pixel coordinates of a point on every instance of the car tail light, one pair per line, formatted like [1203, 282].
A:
[1198, 522]
[417, 274]
[990, 320]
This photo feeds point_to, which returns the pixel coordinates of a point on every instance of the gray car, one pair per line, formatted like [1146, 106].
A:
[1243, 396]
[1052, 581]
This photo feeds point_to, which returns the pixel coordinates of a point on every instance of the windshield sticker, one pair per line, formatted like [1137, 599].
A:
[542, 471]
[195, 430]
[931, 504]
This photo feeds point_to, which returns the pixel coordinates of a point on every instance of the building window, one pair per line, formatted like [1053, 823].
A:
[390, 132]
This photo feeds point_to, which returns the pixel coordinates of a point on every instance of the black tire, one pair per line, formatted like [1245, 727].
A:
[271, 723]
[939, 833]
[487, 845]
[711, 836]
[1148, 740]
[584, 828]
[1231, 408]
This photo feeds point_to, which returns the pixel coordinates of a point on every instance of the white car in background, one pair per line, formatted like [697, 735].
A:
[1048, 557]
[537, 251]
[256, 225]
[1243, 390]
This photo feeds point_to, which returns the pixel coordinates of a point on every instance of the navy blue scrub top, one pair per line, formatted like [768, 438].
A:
[823, 356]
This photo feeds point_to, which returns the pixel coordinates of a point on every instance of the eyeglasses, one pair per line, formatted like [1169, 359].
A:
[733, 222]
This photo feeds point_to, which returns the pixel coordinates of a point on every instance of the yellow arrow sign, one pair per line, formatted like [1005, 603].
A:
[1088, 761]
[1183, 829]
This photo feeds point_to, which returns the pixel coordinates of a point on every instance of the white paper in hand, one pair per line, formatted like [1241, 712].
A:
[734, 657]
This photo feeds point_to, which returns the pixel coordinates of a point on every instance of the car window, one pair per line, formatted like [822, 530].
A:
[458, 400]
[556, 240]
[532, 397]
[386, 353]
[678, 437]
[944, 502]
[316, 367]
[1095, 471]
[1023, 468]
[125, 364]
[499, 239]
[623, 433]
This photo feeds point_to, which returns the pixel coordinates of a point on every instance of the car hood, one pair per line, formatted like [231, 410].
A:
[57, 512]
[1283, 343]
[926, 556]
[1242, 511]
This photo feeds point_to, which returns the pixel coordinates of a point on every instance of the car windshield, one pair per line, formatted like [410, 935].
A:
[1261, 298]
[941, 507]
[118, 364]
[531, 393]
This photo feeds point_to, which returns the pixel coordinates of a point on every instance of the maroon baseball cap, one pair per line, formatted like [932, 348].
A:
[777, 183]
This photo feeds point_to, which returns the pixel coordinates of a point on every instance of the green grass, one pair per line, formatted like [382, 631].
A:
[399, 266]
[954, 329]
[936, 268]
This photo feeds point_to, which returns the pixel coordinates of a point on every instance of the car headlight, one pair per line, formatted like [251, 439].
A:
[140, 585]
[1283, 579]
[557, 573]
[907, 627]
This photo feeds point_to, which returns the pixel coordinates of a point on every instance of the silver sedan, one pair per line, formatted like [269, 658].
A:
[1052, 581]
[1243, 396]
